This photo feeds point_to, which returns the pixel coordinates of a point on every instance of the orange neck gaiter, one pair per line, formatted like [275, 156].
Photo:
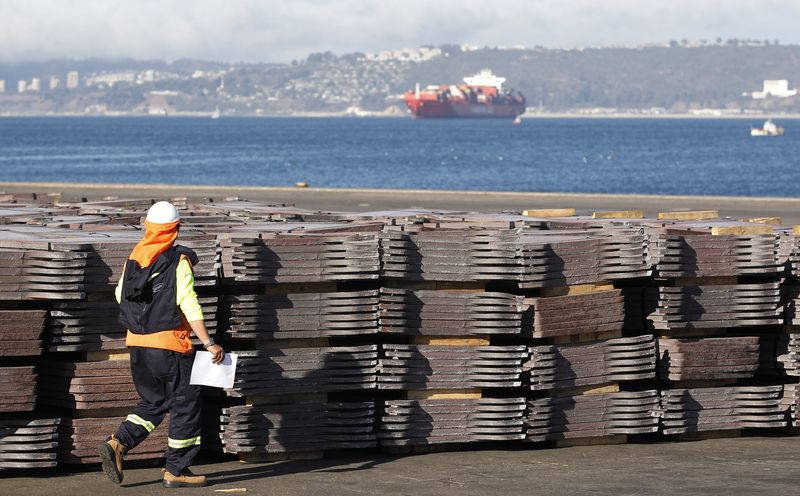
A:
[158, 238]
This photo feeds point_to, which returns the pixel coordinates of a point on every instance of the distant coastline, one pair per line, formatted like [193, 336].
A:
[579, 114]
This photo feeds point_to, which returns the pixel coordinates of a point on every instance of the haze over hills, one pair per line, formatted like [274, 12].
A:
[674, 77]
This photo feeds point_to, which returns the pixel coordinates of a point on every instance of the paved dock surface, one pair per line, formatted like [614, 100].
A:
[749, 465]
[484, 201]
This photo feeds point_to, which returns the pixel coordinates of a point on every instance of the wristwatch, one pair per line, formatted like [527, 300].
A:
[208, 344]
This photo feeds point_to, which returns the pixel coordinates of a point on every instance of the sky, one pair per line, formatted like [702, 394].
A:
[279, 31]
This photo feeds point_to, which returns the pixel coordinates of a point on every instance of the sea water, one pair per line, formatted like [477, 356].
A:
[656, 156]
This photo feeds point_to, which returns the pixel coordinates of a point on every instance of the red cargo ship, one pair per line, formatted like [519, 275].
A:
[481, 97]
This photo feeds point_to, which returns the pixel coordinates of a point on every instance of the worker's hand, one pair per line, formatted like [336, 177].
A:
[217, 353]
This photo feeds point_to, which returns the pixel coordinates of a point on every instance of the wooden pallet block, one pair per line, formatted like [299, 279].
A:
[593, 441]
[549, 212]
[585, 390]
[689, 215]
[772, 221]
[578, 289]
[280, 457]
[104, 355]
[450, 341]
[742, 230]
[443, 394]
[619, 214]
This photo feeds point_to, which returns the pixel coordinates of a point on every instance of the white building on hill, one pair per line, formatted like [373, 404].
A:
[778, 88]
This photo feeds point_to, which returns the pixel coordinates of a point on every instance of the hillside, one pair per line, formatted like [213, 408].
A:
[676, 78]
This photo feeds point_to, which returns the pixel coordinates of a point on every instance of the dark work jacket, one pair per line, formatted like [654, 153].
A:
[149, 304]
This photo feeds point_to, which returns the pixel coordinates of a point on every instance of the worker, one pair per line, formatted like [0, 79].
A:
[159, 307]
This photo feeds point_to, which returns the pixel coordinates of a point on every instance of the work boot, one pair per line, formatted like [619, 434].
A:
[186, 479]
[111, 452]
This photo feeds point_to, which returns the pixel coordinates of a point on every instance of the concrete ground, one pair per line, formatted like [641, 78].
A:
[750, 465]
[486, 201]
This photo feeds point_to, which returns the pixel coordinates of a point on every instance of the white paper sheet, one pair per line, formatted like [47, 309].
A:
[206, 373]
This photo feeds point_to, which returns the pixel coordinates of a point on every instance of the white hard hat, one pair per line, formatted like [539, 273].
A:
[162, 213]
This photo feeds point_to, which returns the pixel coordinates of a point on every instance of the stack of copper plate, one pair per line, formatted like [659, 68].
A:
[565, 258]
[577, 314]
[28, 443]
[12, 281]
[79, 325]
[80, 438]
[302, 315]
[292, 258]
[305, 370]
[41, 274]
[789, 359]
[408, 366]
[791, 403]
[21, 332]
[298, 427]
[251, 210]
[708, 358]
[592, 415]
[106, 257]
[29, 213]
[87, 385]
[451, 255]
[419, 422]
[427, 312]
[18, 388]
[789, 250]
[592, 363]
[58, 264]
[721, 408]
[714, 306]
[533, 258]
[87, 326]
[791, 297]
[703, 255]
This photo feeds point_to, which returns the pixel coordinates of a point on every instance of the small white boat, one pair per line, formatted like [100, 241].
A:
[215, 115]
[768, 129]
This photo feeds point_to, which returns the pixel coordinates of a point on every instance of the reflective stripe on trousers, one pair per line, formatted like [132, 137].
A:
[183, 443]
[135, 419]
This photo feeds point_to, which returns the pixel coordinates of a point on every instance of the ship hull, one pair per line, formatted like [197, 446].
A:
[421, 109]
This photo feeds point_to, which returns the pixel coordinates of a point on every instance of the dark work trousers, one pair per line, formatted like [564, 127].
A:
[161, 378]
